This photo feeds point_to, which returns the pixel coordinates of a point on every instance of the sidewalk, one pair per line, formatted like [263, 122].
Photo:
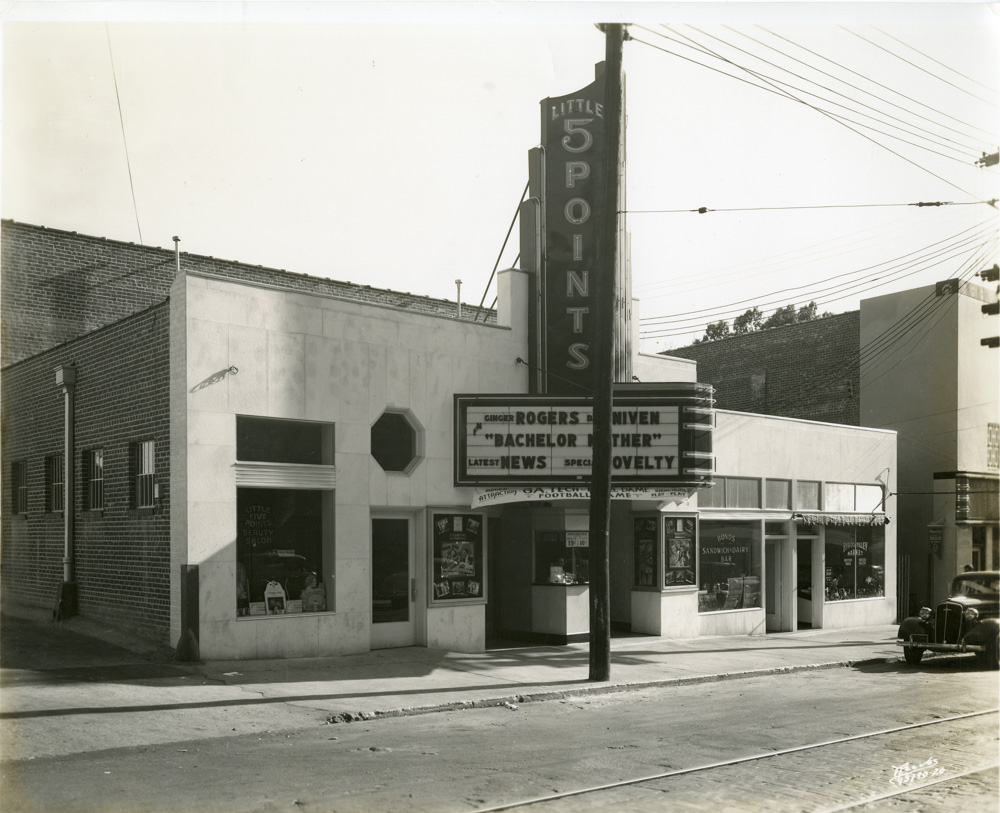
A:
[131, 697]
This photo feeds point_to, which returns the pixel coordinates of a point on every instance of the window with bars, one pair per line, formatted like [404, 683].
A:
[143, 474]
[95, 479]
[19, 487]
[55, 482]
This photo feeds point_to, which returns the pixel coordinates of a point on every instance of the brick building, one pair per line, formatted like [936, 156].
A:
[807, 370]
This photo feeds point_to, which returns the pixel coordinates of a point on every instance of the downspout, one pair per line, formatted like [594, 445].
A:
[66, 380]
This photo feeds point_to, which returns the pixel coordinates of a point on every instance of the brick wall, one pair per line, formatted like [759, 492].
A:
[58, 285]
[122, 395]
[808, 370]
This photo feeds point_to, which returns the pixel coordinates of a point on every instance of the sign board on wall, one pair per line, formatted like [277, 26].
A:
[573, 135]
[546, 441]
[458, 569]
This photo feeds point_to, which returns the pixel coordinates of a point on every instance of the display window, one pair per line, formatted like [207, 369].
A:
[458, 572]
[729, 559]
[279, 552]
[679, 535]
[562, 557]
[645, 552]
[855, 562]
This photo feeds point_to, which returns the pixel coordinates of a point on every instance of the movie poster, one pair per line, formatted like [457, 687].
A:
[678, 542]
[458, 568]
[644, 550]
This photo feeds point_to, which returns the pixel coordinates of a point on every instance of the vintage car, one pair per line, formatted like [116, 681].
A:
[967, 621]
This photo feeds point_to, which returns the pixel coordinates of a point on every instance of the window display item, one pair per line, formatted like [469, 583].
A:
[274, 597]
[313, 597]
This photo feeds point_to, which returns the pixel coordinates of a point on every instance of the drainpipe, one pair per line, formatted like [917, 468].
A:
[458, 282]
[66, 381]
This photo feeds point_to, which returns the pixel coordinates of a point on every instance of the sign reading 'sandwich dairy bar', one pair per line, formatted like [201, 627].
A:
[533, 440]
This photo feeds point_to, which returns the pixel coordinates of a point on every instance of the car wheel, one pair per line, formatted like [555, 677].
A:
[992, 653]
[913, 655]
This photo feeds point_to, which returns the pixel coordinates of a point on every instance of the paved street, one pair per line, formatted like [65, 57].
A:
[89, 725]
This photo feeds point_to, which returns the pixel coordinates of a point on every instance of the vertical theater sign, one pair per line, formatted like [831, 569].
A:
[573, 134]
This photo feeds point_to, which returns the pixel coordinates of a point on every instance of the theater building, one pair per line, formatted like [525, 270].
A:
[266, 465]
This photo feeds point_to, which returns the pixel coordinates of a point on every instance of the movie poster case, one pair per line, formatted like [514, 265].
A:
[458, 558]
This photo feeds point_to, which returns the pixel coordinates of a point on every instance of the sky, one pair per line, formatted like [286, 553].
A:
[386, 143]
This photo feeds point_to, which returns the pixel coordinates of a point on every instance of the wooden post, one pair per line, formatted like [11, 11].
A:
[607, 263]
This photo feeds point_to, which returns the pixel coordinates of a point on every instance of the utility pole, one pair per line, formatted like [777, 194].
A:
[607, 264]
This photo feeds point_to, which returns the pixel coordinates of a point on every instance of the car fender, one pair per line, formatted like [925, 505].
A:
[914, 626]
[986, 629]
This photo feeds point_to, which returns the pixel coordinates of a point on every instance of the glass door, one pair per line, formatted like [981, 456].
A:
[393, 583]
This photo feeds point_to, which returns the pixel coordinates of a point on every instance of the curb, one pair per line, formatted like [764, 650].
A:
[513, 701]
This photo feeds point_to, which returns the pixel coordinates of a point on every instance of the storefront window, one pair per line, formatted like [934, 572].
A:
[279, 550]
[729, 565]
[562, 557]
[855, 562]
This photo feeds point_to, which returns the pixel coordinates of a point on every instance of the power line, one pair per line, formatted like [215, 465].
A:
[918, 67]
[774, 263]
[121, 119]
[939, 62]
[927, 257]
[859, 89]
[885, 87]
[706, 210]
[838, 121]
[844, 96]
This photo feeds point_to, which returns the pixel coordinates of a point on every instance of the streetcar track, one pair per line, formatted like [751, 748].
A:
[754, 757]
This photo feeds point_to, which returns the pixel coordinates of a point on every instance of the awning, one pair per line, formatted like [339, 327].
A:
[502, 496]
[821, 518]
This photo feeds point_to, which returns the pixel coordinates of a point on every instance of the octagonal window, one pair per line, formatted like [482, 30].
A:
[394, 442]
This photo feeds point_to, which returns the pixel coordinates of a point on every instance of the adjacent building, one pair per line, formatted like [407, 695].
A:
[913, 362]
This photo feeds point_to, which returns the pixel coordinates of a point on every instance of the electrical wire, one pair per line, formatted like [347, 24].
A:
[697, 324]
[705, 210]
[878, 348]
[861, 90]
[789, 96]
[918, 67]
[837, 120]
[967, 152]
[927, 256]
[885, 87]
[121, 120]
[939, 62]
[776, 263]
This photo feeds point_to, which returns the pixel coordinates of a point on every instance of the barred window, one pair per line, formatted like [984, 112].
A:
[55, 482]
[19, 487]
[143, 473]
[95, 480]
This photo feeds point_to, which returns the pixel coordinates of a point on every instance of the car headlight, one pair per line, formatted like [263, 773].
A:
[925, 613]
[971, 614]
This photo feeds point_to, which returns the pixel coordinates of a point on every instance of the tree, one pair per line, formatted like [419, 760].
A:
[748, 322]
[782, 316]
[715, 330]
[807, 313]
